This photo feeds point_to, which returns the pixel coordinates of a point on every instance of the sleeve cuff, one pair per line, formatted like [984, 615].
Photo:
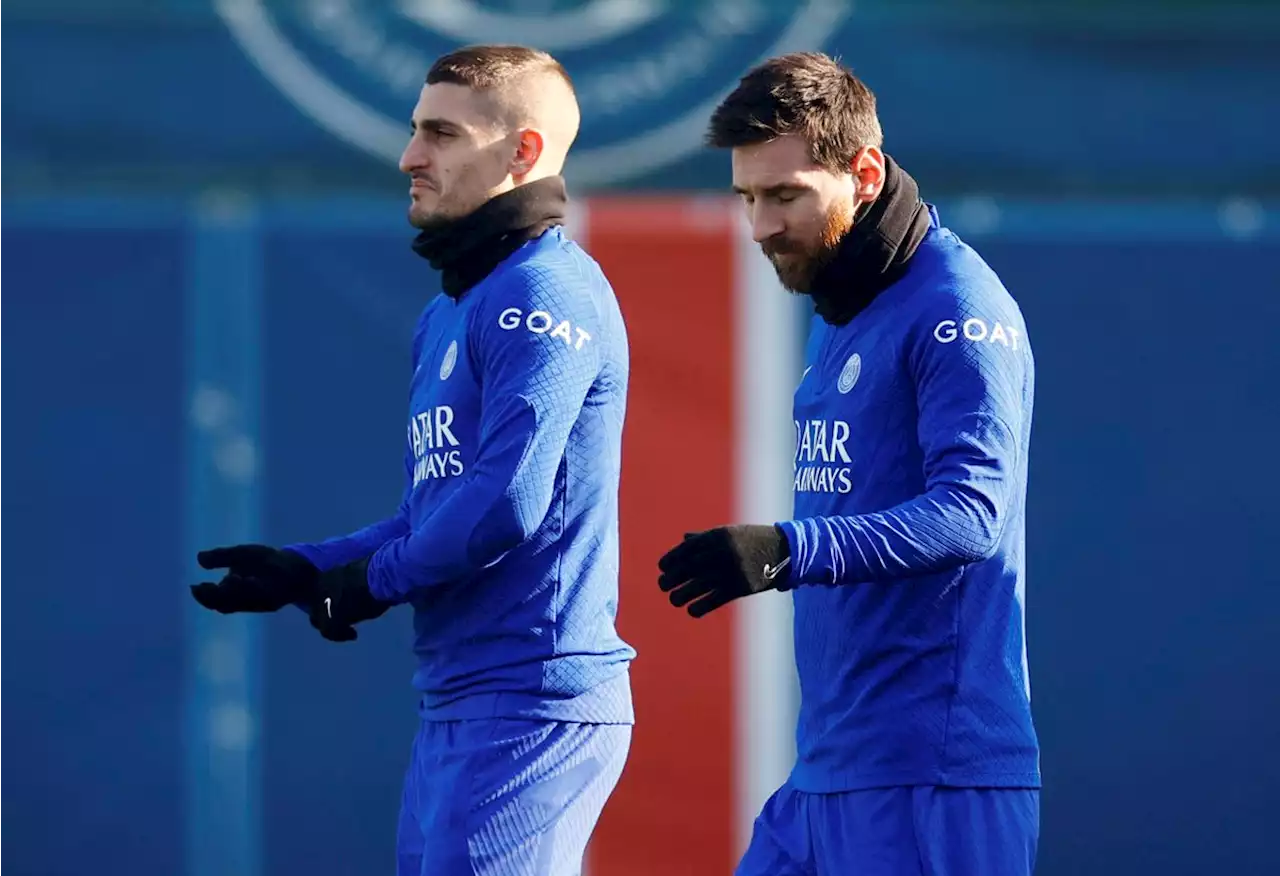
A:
[379, 581]
[795, 548]
[308, 553]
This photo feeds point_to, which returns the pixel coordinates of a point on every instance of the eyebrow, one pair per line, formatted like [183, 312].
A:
[780, 188]
[436, 126]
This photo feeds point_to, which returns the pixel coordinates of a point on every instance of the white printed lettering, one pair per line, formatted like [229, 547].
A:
[437, 465]
[540, 322]
[823, 479]
[444, 419]
[543, 322]
[431, 436]
[977, 331]
[820, 440]
[509, 318]
[823, 463]
[563, 330]
[837, 442]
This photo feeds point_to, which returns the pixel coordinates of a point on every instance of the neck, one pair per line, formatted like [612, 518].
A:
[467, 249]
[876, 252]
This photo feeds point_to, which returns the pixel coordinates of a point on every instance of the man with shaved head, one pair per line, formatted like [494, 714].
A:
[506, 540]
[489, 119]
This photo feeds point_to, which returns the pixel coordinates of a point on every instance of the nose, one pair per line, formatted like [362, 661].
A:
[414, 156]
[765, 223]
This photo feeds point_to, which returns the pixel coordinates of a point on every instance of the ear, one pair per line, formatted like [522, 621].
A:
[867, 168]
[528, 151]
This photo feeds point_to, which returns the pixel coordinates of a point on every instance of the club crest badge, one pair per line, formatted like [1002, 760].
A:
[450, 360]
[849, 374]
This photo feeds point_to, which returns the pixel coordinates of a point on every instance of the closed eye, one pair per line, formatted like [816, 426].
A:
[781, 194]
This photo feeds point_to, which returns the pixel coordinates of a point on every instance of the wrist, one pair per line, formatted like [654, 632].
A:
[789, 553]
[375, 581]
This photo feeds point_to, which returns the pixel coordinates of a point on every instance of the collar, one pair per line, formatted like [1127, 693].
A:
[466, 250]
[874, 254]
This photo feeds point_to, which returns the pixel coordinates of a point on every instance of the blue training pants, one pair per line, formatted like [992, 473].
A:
[500, 797]
[907, 831]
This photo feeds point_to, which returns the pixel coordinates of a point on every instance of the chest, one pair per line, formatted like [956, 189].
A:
[444, 395]
[855, 383]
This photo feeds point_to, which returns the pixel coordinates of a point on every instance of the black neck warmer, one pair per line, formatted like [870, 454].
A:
[875, 252]
[466, 250]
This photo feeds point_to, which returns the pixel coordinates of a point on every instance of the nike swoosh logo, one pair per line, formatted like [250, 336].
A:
[771, 572]
[328, 606]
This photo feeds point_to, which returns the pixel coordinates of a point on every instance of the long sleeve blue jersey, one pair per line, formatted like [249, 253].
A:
[913, 424]
[506, 541]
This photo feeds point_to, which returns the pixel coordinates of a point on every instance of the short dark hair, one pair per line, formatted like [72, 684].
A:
[804, 93]
[483, 67]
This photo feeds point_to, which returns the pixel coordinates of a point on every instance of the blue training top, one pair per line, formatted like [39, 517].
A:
[506, 542]
[913, 424]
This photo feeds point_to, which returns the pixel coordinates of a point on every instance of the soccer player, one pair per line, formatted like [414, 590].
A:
[506, 541]
[916, 752]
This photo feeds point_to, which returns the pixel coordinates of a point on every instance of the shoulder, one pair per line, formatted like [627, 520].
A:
[550, 274]
[549, 295]
[958, 296]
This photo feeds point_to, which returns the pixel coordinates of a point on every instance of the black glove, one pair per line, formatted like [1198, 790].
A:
[718, 566]
[259, 579]
[343, 599]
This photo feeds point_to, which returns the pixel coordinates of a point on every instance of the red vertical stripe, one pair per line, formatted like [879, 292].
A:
[671, 263]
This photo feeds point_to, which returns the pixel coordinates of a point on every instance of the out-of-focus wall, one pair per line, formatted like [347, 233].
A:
[1150, 597]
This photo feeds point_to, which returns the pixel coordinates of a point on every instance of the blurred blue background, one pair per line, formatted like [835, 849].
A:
[210, 297]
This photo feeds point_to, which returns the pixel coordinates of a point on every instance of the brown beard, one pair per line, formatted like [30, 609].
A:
[797, 272]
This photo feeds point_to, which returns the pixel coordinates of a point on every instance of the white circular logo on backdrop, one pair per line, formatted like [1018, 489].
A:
[648, 72]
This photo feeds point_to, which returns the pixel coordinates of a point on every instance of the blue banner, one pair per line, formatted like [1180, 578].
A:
[316, 94]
